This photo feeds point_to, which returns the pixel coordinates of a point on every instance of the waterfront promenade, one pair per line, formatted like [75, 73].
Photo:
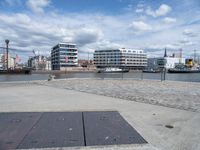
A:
[180, 95]
[147, 105]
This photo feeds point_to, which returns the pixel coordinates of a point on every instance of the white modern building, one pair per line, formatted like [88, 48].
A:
[1, 62]
[11, 61]
[64, 55]
[39, 62]
[120, 58]
[171, 62]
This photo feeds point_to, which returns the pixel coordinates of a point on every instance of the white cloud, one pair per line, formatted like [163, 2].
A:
[43, 33]
[38, 6]
[140, 26]
[169, 20]
[163, 46]
[186, 42]
[161, 11]
[12, 2]
[129, 7]
[189, 33]
[139, 10]
[96, 31]
[140, 5]
[87, 36]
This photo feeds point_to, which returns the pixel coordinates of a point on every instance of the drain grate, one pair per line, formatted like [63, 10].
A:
[65, 129]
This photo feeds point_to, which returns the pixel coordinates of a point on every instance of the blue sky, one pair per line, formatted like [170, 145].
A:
[151, 25]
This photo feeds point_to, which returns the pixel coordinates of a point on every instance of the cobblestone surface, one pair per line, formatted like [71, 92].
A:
[180, 95]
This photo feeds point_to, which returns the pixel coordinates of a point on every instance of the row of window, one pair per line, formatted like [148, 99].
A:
[129, 51]
[69, 54]
[64, 45]
[106, 60]
[142, 64]
[130, 55]
[107, 51]
[68, 50]
[68, 61]
[53, 56]
[63, 62]
[121, 63]
[123, 55]
[67, 45]
[63, 50]
[117, 53]
[69, 58]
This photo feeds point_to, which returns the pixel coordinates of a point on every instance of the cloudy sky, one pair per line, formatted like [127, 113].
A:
[151, 25]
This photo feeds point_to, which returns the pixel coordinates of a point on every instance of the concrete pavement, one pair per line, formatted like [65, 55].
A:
[149, 120]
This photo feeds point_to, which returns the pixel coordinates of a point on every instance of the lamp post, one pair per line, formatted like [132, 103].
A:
[7, 42]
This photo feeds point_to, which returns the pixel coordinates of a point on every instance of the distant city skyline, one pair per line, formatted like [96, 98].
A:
[99, 24]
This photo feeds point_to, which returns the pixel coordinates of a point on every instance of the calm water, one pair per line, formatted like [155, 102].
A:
[194, 77]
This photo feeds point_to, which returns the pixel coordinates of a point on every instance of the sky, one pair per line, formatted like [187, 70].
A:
[152, 25]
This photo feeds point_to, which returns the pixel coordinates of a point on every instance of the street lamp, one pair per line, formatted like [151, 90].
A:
[7, 42]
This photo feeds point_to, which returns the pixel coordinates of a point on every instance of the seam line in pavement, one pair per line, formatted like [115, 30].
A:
[84, 136]
[34, 124]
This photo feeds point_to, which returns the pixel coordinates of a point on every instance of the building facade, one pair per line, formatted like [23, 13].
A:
[85, 63]
[120, 58]
[39, 62]
[3, 61]
[171, 62]
[64, 55]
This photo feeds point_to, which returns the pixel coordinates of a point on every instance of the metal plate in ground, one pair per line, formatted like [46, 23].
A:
[109, 128]
[13, 128]
[56, 129]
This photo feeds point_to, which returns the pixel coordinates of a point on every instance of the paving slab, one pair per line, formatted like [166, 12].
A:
[109, 128]
[56, 129]
[14, 127]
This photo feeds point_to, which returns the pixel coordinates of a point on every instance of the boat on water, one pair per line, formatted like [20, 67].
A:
[184, 69]
[151, 71]
[112, 70]
[16, 71]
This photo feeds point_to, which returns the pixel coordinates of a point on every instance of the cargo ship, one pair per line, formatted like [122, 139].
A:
[186, 70]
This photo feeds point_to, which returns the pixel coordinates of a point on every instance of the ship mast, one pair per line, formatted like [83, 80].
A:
[194, 56]
[7, 42]
[180, 60]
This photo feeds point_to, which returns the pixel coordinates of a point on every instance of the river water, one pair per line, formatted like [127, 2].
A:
[190, 77]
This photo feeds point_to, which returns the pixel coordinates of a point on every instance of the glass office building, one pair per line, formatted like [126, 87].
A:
[64, 55]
